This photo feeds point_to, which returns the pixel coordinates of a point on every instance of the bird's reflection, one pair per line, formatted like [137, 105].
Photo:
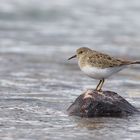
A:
[90, 123]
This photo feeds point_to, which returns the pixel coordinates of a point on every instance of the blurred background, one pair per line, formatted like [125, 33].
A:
[64, 25]
[37, 83]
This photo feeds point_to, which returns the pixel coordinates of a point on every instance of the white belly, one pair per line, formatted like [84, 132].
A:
[98, 73]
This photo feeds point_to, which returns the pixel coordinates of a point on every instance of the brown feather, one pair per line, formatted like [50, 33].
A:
[100, 60]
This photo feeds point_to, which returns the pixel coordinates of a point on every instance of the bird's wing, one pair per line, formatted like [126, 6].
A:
[104, 61]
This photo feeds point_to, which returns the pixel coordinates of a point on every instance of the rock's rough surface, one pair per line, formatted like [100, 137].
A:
[105, 103]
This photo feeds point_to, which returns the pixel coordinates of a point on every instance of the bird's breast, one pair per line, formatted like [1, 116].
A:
[100, 73]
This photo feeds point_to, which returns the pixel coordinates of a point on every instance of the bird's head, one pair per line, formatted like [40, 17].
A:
[80, 52]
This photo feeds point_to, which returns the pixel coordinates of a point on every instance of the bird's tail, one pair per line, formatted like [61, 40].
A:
[135, 62]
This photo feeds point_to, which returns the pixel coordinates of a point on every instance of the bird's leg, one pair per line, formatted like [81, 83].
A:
[101, 85]
[98, 85]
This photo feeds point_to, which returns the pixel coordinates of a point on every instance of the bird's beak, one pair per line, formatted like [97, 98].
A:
[72, 57]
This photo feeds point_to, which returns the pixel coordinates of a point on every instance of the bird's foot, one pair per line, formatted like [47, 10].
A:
[100, 92]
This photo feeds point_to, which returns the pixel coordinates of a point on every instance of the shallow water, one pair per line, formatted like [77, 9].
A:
[38, 83]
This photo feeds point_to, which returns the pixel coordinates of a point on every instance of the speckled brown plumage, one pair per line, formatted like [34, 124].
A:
[93, 58]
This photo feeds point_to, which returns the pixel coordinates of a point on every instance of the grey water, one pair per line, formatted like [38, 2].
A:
[38, 84]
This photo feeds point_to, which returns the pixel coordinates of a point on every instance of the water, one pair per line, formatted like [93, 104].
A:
[37, 83]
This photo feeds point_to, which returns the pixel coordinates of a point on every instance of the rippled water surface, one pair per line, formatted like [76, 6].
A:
[37, 83]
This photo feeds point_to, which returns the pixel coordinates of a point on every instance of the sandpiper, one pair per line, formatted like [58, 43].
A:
[98, 65]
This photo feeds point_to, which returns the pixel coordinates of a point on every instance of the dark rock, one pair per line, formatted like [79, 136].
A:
[105, 103]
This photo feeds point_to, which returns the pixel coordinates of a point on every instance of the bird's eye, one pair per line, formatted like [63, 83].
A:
[80, 52]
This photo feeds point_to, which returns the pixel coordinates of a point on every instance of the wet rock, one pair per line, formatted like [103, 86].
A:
[105, 103]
